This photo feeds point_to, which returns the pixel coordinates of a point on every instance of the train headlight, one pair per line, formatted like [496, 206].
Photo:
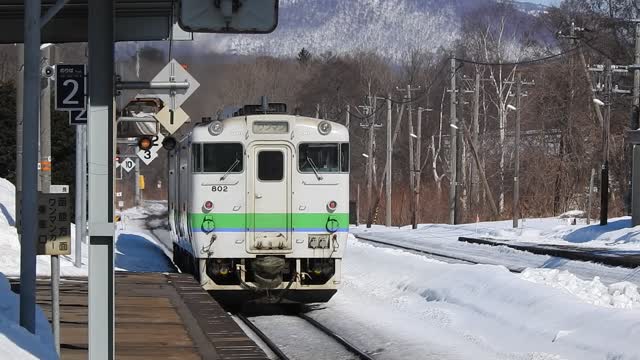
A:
[216, 128]
[332, 206]
[324, 128]
[207, 206]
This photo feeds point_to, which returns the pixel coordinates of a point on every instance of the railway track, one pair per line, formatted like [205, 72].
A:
[355, 351]
[438, 256]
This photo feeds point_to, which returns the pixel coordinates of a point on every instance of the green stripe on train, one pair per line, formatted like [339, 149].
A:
[274, 220]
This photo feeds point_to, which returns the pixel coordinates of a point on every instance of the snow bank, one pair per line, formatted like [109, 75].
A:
[619, 295]
[15, 341]
[413, 307]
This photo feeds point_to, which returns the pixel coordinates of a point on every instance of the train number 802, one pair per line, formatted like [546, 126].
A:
[220, 188]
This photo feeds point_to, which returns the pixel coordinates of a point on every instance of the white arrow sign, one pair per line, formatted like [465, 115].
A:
[174, 72]
[147, 156]
[128, 164]
[171, 120]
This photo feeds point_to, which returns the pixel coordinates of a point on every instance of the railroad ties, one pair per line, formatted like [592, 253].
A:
[158, 316]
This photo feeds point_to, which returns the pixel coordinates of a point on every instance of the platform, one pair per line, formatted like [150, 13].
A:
[158, 316]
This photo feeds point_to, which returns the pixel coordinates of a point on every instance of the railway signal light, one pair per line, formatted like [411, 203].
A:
[169, 143]
[145, 143]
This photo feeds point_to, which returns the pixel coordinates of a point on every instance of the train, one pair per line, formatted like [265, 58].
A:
[259, 205]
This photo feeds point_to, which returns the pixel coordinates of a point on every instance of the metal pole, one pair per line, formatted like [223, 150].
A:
[31, 106]
[604, 181]
[412, 164]
[137, 181]
[475, 183]
[83, 220]
[45, 129]
[370, 172]
[19, 118]
[389, 159]
[452, 145]
[418, 165]
[100, 160]
[358, 206]
[635, 124]
[78, 244]
[589, 201]
[516, 183]
[45, 185]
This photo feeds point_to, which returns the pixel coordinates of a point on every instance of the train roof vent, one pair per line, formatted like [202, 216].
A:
[273, 108]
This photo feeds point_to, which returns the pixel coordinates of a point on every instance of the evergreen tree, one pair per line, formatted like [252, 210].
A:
[304, 56]
[8, 133]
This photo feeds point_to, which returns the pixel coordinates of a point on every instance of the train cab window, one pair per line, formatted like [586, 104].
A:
[197, 157]
[344, 158]
[318, 157]
[222, 158]
[270, 165]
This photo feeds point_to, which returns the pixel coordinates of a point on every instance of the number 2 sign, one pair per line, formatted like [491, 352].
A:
[70, 87]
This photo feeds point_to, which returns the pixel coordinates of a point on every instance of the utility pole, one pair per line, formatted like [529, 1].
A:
[368, 124]
[516, 174]
[453, 148]
[604, 180]
[419, 159]
[412, 163]
[388, 182]
[475, 188]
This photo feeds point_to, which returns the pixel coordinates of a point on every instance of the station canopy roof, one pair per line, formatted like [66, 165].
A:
[135, 20]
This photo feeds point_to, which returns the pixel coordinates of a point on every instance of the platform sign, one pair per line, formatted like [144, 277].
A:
[128, 164]
[54, 224]
[71, 87]
[78, 117]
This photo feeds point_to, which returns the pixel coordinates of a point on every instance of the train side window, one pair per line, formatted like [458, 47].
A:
[344, 157]
[222, 158]
[320, 157]
[270, 165]
[197, 158]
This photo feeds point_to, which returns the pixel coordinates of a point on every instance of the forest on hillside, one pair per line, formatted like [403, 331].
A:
[561, 133]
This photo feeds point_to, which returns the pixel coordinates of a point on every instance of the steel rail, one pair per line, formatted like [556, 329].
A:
[352, 348]
[438, 255]
[270, 344]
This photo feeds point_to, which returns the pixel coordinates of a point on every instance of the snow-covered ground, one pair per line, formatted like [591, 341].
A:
[405, 306]
[443, 239]
[617, 235]
[15, 341]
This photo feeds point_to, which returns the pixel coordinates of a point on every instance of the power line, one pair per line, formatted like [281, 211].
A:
[525, 62]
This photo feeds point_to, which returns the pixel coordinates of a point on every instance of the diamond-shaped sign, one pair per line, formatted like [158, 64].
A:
[171, 119]
[147, 156]
[174, 72]
[128, 164]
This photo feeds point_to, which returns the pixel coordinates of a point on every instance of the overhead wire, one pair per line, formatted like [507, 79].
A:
[467, 61]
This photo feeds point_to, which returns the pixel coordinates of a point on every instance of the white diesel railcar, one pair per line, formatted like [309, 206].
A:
[258, 206]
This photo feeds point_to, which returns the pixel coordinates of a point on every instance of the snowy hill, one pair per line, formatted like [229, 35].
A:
[389, 27]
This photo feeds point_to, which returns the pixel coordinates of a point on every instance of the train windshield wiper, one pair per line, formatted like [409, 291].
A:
[233, 166]
[315, 169]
